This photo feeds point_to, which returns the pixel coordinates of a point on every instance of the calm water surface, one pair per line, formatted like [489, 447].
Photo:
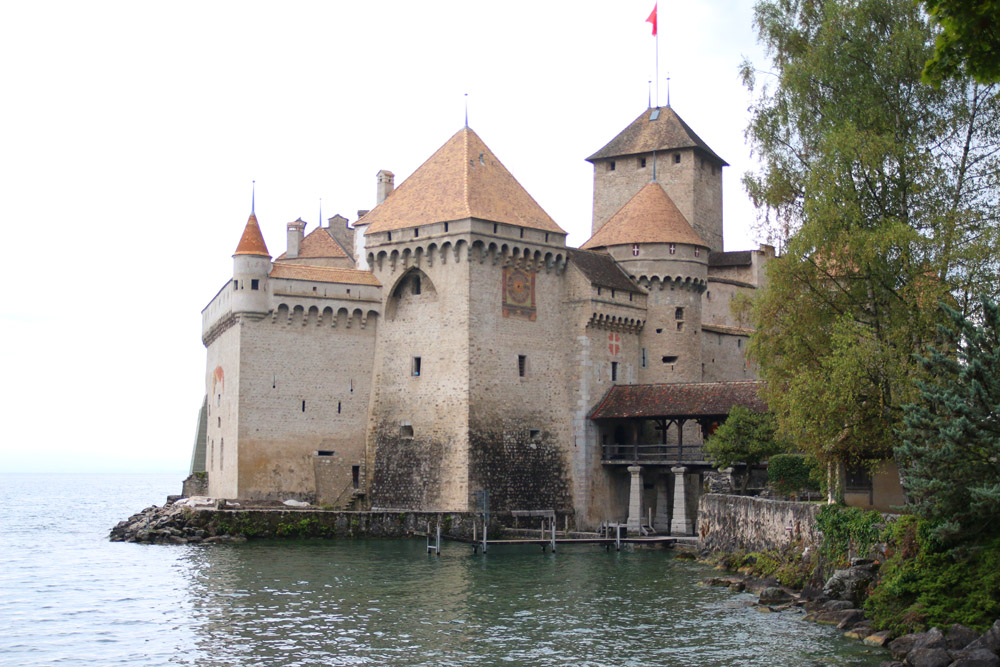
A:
[68, 596]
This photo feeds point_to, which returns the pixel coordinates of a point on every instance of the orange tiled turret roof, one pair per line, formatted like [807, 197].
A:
[252, 241]
[666, 132]
[648, 217]
[463, 179]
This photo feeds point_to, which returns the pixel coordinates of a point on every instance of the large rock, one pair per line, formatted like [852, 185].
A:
[851, 584]
[933, 638]
[979, 657]
[989, 641]
[959, 636]
[928, 657]
[775, 595]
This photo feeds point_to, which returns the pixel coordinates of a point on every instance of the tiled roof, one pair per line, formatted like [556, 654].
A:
[318, 243]
[735, 258]
[463, 179]
[323, 274]
[732, 331]
[648, 217]
[694, 399]
[601, 269]
[252, 241]
[643, 135]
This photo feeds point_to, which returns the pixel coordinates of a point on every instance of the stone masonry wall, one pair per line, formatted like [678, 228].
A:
[732, 523]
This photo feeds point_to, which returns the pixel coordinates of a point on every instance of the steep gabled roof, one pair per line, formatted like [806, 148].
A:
[601, 269]
[648, 217]
[731, 258]
[463, 179]
[668, 131]
[319, 243]
[252, 241]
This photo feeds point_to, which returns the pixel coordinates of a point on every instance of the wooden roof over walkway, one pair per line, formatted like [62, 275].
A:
[688, 400]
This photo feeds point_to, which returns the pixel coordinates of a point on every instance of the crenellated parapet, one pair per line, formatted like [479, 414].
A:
[655, 282]
[482, 251]
[291, 314]
[615, 323]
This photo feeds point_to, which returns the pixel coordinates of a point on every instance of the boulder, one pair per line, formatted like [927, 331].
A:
[850, 584]
[928, 657]
[775, 595]
[900, 646]
[959, 636]
[878, 638]
[979, 657]
[990, 640]
[849, 618]
[836, 605]
[933, 638]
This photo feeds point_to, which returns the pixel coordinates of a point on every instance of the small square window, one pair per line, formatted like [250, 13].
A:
[534, 434]
[611, 166]
[677, 158]
[642, 163]
[406, 431]
[255, 283]
[415, 366]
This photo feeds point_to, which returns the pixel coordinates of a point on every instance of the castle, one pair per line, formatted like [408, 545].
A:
[449, 342]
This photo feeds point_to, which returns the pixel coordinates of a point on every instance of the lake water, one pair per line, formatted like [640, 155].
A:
[68, 596]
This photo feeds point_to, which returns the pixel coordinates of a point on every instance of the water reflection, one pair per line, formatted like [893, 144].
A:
[387, 602]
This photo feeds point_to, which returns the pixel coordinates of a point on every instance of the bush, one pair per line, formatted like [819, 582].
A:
[792, 473]
[848, 531]
[924, 585]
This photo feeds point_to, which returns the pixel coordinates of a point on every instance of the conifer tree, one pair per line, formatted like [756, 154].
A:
[951, 447]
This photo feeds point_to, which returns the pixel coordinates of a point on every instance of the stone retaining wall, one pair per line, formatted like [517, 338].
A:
[732, 523]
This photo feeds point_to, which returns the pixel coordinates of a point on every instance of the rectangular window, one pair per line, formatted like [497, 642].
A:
[858, 479]
[416, 232]
[611, 165]
[303, 406]
[389, 235]
[356, 476]
[255, 284]
[325, 452]
[416, 284]
[415, 367]
[446, 227]
[642, 163]
[614, 371]
[236, 285]
[406, 430]
[669, 359]
[522, 364]
[678, 313]
[677, 158]
[522, 232]
[680, 326]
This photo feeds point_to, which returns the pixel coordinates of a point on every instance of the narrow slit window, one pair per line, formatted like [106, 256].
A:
[390, 235]
[642, 358]
[355, 476]
[677, 158]
[522, 364]
[416, 366]
[416, 232]
[642, 163]
[416, 284]
[494, 228]
[611, 166]
[236, 285]
[522, 232]
[446, 227]
[338, 407]
[303, 405]
[614, 371]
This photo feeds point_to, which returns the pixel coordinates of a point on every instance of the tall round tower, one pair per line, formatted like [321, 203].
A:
[251, 265]
[653, 242]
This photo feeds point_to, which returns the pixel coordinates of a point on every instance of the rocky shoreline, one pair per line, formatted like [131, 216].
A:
[840, 603]
[181, 522]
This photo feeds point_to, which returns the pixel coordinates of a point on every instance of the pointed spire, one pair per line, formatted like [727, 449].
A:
[253, 197]
[252, 241]
[466, 110]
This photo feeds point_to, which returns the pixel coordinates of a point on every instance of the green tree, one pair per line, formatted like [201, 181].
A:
[882, 192]
[969, 40]
[951, 443]
[745, 437]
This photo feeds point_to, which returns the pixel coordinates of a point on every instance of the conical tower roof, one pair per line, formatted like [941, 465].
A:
[252, 241]
[657, 129]
[463, 179]
[648, 217]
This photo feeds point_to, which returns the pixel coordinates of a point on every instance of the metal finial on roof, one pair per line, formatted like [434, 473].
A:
[467, 110]
[320, 211]
[253, 196]
[649, 94]
[668, 89]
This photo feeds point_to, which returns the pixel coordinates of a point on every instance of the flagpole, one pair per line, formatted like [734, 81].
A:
[657, 35]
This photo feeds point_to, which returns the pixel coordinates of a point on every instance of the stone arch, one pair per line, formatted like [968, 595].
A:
[280, 313]
[312, 314]
[328, 316]
[461, 250]
[445, 249]
[431, 250]
[411, 284]
[296, 313]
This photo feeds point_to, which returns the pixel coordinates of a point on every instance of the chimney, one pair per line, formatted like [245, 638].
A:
[385, 185]
[295, 231]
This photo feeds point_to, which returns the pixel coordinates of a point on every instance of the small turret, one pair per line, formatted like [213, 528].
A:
[251, 265]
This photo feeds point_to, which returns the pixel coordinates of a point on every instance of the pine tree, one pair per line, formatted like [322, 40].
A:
[951, 443]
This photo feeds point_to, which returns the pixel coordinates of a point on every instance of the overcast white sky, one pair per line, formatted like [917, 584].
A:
[131, 132]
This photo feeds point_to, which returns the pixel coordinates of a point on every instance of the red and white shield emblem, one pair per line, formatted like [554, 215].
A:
[614, 343]
[635, 249]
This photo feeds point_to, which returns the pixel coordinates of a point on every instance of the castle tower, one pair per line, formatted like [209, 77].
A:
[468, 388]
[690, 171]
[251, 264]
[651, 240]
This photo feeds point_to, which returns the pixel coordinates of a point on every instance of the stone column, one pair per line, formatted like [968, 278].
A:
[661, 520]
[635, 501]
[680, 523]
